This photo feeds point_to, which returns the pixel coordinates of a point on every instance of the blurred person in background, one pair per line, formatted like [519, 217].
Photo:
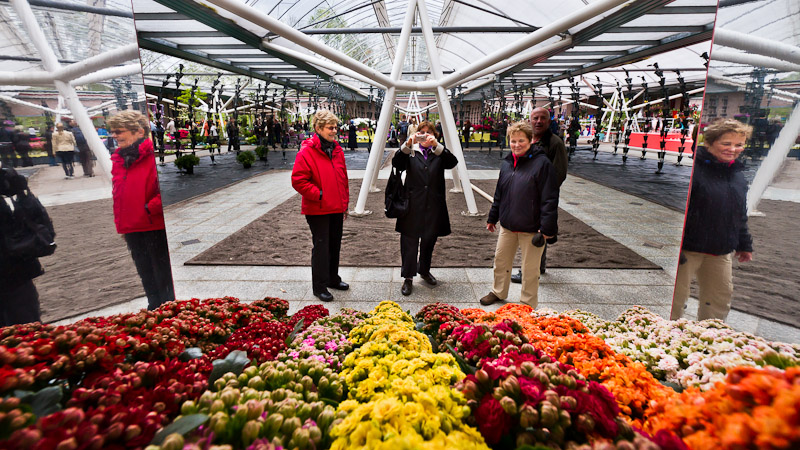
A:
[22, 145]
[138, 212]
[64, 146]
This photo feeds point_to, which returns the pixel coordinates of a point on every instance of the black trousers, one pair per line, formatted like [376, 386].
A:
[410, 247]
[19, 305]
[326, 234]
[150, 254]
[66, 162]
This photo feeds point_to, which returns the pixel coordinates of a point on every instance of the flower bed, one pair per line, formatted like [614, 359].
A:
[222, 374]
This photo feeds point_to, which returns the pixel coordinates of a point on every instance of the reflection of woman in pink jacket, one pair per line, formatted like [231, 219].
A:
[138, 214]
[320, 176]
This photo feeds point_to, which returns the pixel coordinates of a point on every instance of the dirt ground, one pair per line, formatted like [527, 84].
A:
[769, 286]
[91, 267]
[282, 237]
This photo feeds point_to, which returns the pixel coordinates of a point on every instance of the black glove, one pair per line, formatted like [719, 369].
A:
[538, 240]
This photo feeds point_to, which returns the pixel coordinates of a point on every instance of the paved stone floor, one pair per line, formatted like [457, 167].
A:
[649, 229]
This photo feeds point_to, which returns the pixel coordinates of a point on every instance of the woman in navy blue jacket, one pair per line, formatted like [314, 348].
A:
[526, 205]
[716, 222]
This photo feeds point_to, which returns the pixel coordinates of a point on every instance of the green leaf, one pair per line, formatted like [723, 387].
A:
[674, 386]
[44, 402]
[220, 368]
[328, 401]
[239, 361]
[297, 327]
[181, 426]
[465, 367]
[190, 353]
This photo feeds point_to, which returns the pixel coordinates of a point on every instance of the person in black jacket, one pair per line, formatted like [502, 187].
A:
[424, 160]
[716, 222]
[526, 205]
[556, 152]
[352, 136]
[19, 300]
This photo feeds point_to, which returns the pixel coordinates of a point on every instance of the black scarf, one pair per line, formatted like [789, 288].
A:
[327, 146]
[130, 154]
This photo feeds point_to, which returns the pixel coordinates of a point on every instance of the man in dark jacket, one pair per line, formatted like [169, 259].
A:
[556, 152]
[716, 222]
[424, 160]
[85, 153]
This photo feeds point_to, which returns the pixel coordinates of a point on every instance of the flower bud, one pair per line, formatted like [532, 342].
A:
[229, 397]
[325, 418]
[68, 444]
[585, 423]
[564, 419]
[272, 425]
[217, 406]
[511, 386]
[220, 425]
[568, 402]
[250, 432]
[548, 414]
[173, 442]
[525, 438]
[301, 438]
[625, 445]
[289, 425]
[509, 405]
[256, 383]
[482, 377]
[529, 416]
[552, 397]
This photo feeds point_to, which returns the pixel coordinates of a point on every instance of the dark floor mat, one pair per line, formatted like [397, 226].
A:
[281, 237]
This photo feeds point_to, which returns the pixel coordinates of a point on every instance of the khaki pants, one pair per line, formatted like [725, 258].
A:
[507, 244]
[714, 279]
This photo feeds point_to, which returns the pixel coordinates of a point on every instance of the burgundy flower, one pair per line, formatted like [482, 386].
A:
[493, 422]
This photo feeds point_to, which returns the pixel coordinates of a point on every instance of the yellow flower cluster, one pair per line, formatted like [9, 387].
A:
[400, 394]
[386, 313]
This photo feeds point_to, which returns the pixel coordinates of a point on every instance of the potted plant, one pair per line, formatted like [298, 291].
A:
[186, 163]
[262, 151]
[247, 158]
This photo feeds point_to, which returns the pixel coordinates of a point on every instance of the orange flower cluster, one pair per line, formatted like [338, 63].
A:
[570, 342]
[754, 408]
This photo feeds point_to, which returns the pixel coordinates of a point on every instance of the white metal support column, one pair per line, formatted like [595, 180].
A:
[772, 163]
[446, 113]
[378, 144]
[50, 62]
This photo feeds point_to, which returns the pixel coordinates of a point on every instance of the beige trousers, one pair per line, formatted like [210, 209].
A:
[507, 244]
[714, 280]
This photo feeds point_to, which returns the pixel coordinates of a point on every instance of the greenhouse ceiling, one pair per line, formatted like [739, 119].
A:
[632, 36]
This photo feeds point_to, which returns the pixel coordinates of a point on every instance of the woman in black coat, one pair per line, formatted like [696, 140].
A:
[716, 222]
[424, 160]
[352, 137]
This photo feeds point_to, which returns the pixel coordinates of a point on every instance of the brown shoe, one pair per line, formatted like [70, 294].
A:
[490, 298]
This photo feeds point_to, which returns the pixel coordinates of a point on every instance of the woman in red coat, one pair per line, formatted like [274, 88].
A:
[138, 214]
[320, 176]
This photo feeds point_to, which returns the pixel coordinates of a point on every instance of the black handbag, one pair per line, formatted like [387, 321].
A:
[396, 196]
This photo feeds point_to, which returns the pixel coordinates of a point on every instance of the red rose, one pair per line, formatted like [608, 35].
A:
[493, 422]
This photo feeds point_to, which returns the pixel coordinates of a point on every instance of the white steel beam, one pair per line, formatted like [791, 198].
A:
[50, 62]
[772, 163]
[108, 74]
[755, 44]
[446, 113]
[281, 29]
[379, 143]
[559, 26]
[754, 60]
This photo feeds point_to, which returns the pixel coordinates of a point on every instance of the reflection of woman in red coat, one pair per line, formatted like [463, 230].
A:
[320, 176]
[138, 213]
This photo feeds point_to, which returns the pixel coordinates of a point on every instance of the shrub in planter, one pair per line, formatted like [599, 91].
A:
[186, 163]
[247, 158]
[262, 151]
